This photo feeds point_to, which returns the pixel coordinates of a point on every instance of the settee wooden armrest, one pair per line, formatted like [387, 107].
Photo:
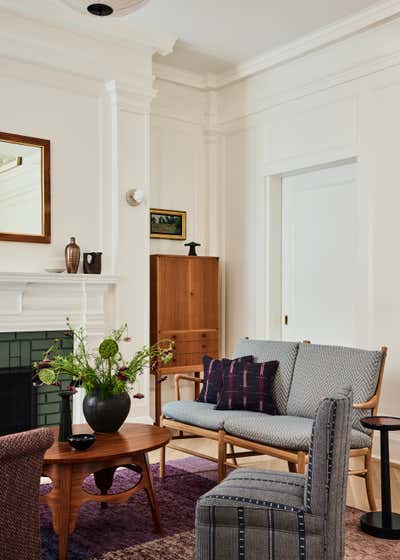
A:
[179, 378]
[369, 405]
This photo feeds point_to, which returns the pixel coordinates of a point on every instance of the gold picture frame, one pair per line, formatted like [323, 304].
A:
[167, 224]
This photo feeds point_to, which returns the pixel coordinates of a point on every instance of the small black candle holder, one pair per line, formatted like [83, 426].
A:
[65, 416]
[192, 249]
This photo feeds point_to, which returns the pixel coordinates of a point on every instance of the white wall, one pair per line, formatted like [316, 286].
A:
[179, 148]
[70, 121]
[338, 103]
[90, 96]
[178, 162]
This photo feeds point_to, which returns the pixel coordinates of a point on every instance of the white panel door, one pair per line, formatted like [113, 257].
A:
[319, 255]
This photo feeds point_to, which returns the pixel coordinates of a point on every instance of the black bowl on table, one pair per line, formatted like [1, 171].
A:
[81, 442]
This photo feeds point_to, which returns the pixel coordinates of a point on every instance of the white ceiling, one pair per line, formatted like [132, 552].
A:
[216, 35]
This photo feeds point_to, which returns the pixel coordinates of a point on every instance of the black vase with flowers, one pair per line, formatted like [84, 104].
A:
[104, 374]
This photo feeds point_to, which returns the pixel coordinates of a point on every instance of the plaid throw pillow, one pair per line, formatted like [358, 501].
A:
[213, 374]
[248, 386]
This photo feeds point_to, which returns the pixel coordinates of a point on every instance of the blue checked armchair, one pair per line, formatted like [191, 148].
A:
[257, 514]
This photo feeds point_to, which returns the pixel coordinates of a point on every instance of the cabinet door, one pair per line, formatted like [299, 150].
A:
[204, 293]
[173, 293]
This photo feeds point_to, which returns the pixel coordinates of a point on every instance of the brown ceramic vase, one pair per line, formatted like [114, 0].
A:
[72, 256]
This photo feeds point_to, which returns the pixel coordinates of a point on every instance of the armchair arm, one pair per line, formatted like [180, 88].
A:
[181, 376]
[369, 405]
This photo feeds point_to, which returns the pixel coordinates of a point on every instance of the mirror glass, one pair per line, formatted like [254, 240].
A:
[24, 189]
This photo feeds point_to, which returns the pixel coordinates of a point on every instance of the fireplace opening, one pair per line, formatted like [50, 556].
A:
[18, 400]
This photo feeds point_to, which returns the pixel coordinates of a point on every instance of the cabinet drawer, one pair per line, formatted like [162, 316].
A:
[190, 346]
[186, 336]
[194, 358]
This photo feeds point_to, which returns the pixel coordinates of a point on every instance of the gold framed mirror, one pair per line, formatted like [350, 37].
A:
[25, 207]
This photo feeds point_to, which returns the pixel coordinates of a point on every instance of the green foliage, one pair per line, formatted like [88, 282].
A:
[108, 348]
[47, 376]
[104, 370]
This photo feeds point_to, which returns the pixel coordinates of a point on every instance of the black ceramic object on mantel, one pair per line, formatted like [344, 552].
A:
[106, 414]
[92, 263]
[192, 248]
[65, 416]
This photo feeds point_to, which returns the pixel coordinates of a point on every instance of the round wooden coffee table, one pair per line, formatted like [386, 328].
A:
[68, 468]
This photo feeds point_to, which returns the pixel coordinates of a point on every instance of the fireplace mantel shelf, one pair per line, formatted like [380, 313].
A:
[34, 301]
[62, 278]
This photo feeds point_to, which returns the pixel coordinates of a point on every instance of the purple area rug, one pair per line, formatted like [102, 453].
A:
[99, 531]
[125, 531]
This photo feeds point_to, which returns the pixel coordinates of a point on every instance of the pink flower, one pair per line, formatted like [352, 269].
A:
[155, 365]
[37, 384]
[56, 384]
[72, 389]
[138, 396]
[121, 373]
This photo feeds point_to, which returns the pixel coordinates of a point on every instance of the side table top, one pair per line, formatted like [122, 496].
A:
[131, 439]
[381, 422]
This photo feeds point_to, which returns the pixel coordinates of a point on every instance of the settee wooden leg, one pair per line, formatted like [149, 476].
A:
[301, 462]
[368, 481]
[292, 467]
[221, 455]
[234, 460]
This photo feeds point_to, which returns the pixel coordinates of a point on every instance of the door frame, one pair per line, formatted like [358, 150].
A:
[269, 260]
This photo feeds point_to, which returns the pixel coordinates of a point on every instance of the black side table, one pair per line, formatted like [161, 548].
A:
[383, 524]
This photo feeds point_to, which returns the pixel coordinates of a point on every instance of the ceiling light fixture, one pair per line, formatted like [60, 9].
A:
[113, 8]
[100, 9]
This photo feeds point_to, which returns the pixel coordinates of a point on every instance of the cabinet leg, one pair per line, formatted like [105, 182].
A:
[157, 392]
[196, 386]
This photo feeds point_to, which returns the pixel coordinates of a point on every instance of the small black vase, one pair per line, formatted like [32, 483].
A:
[106, 413]
[65, 416]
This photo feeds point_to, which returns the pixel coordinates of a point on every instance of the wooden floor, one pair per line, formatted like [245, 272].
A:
[356, 495]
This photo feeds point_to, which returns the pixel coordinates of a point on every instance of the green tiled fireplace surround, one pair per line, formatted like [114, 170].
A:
[22, 349]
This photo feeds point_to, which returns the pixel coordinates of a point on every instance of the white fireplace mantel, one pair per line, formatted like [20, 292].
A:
[63, 278]
[42, 302]
[35, 301]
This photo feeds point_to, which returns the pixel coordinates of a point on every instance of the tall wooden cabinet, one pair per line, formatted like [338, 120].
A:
[185, 307]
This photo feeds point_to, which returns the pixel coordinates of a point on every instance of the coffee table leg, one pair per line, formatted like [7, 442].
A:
[104, 480]
[59, 502]
[143, 462]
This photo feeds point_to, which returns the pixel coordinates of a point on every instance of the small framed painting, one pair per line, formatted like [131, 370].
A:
[167, 224]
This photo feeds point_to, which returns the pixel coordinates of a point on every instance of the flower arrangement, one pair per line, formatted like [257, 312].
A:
[105, 371]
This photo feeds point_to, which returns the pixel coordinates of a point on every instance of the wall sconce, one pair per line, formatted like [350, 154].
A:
[134, 197]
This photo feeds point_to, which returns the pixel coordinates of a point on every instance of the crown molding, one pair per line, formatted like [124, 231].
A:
[180, 77]
[71, 52]
[114, 32]
[373, 16]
